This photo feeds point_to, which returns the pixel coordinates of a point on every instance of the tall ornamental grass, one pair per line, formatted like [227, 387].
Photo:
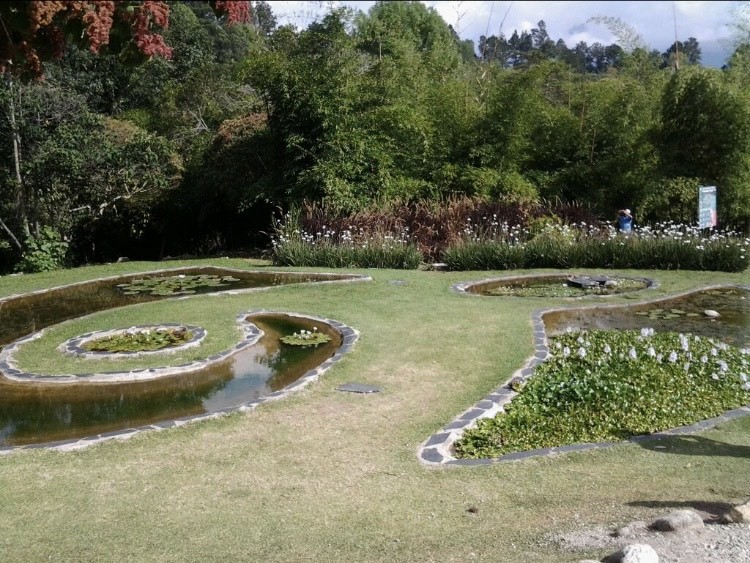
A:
[600, 386]
[347, 248]
[432, 226]
[668, 246]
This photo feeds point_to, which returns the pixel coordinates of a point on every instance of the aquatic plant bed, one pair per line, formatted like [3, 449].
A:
[135, 341]
[601, 386]
[180, 284]
[556, 286]
[629, 372]
[305, 338]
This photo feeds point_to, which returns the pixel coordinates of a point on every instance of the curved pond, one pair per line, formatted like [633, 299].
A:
[33, 411]
[556, 285]
[38, 413]
[24, 314]
[686, 313]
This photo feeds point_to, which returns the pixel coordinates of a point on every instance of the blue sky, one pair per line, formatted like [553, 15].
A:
[655, 21]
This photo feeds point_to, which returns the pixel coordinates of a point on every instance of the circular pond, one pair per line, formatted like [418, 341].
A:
[556, 285]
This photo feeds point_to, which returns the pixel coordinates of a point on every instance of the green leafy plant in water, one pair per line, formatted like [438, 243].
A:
[306, 338]
[560, 288]
[657, 313]
[602, 386]
[175, 285]
[140, 340]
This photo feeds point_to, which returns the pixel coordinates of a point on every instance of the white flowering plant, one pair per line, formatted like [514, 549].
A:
[345, 248]
[306, 338]
[669, 246]
[601, 386]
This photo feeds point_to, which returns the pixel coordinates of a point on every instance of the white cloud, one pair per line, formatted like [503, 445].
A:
[654, 21]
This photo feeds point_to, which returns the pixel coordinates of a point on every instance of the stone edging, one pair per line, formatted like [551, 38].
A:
[76, 346]
[437, 450]
[463, 287]
[349, 337]
[10, 370]
[353, 278]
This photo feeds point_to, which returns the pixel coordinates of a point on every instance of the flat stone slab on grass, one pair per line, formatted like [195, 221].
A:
[358, 388]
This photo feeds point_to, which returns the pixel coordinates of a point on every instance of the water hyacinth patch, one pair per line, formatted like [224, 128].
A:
[626, 383]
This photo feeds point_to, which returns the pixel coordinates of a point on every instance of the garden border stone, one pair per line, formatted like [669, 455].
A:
[437, 450]
[349, 338]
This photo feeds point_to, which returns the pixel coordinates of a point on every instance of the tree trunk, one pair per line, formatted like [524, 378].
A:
[16, 135]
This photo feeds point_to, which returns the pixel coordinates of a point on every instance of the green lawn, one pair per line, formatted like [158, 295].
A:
[329, 476]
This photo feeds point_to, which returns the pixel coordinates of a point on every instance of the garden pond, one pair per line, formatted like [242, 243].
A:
[25, 314]
[557, 285]
[686, 314]
[38, 412]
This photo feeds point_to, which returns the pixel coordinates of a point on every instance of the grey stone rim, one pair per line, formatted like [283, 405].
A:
[437, 450]
[464, 287]
[76, 346]
[251, 334]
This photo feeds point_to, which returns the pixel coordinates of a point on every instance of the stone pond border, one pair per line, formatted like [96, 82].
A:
[76, 346]
[464, 287]
[349, 335]
[437, 450]
[253, 333]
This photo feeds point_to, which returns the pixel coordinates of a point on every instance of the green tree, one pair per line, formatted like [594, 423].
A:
[706, 135]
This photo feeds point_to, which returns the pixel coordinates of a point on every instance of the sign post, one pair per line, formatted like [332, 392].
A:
[707, 216]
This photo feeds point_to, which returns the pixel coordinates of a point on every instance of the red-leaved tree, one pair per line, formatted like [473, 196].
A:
[31, 32]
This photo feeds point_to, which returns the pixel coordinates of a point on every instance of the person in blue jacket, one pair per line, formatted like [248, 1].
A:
[624, 221]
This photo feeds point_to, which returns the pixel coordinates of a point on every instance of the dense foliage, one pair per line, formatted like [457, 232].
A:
[601, 386]
[474, 234]
[229, 116]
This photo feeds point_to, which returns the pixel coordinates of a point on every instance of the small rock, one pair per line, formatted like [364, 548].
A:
[122, 259]
[678, 520]
[740, 514]
[610, 283]
[634, 553]
[711, 314]
[632, 530]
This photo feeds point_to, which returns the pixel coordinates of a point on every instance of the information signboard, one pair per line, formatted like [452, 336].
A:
[707, 216]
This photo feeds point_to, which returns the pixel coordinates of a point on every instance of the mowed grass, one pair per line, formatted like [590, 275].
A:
[329, 476]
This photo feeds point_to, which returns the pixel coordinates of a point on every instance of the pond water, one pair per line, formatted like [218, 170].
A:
[680, 314]
[26, 314]
[558, 285]
[39, 413]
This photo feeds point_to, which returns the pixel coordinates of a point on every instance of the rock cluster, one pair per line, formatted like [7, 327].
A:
[682, 531]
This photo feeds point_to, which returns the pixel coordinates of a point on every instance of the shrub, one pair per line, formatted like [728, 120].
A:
[45, 252]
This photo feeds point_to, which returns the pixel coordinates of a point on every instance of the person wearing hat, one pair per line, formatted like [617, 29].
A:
[624, 221]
